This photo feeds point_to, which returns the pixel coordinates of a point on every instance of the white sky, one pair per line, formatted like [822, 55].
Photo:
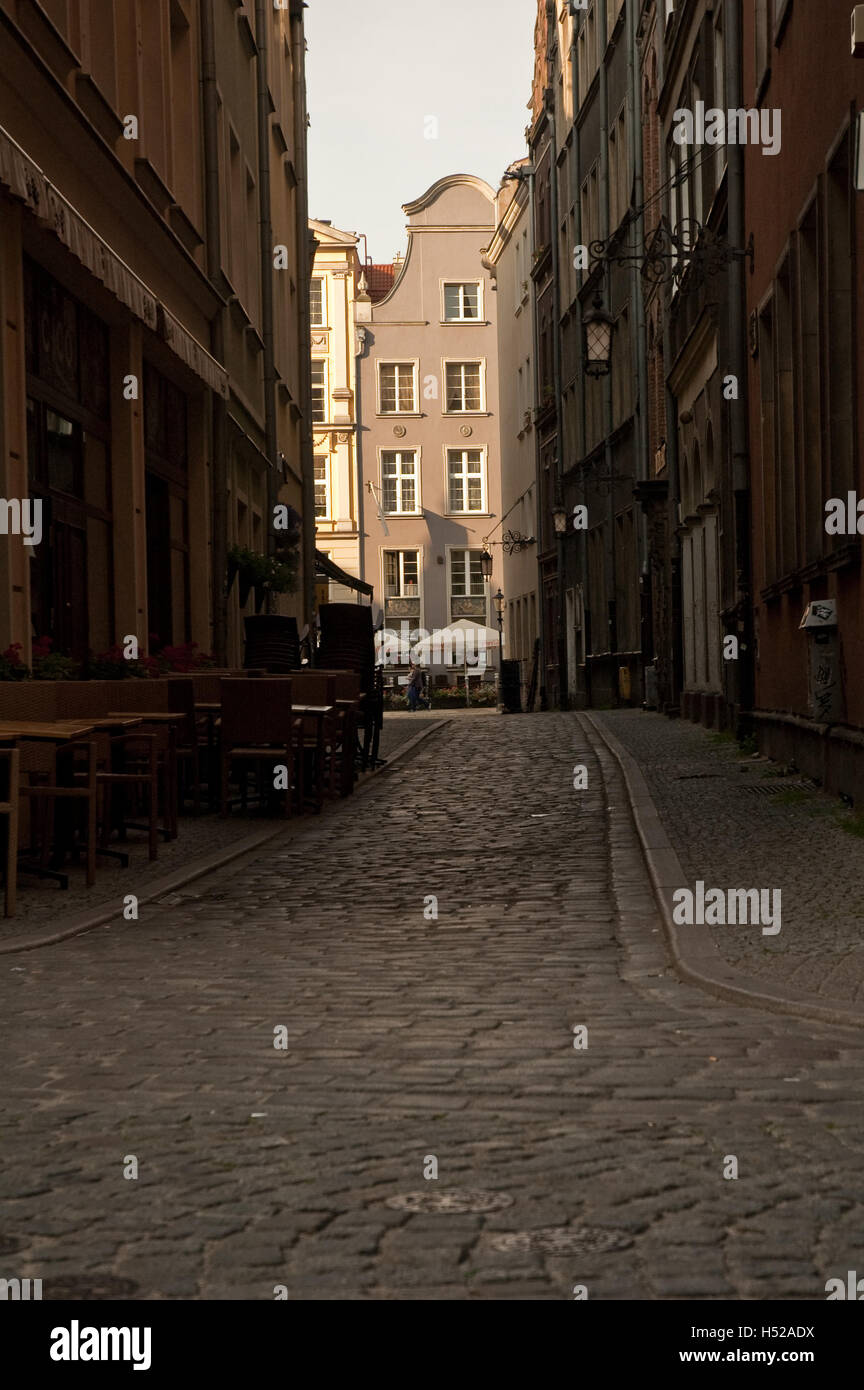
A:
[376, 69]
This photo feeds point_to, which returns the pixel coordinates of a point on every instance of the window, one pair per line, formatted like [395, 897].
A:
[785, 436]
[808, 385]
[619, 190]
[317, 304]
[588, 50]
[766, 399]
[322, 486]
[764, 24]
[401, 574]
[399, 481]
[319, 391]
[401, 585]
[589, 212]
[839, 353]
[467, 585]
[719, 93]
[397, 388]
[466, 481]
[464, 387]
[462, 302]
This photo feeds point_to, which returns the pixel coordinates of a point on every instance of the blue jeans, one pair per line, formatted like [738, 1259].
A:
[413, 697]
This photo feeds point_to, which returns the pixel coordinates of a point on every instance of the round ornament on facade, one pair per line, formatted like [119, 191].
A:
[399, 431]
[466, 430]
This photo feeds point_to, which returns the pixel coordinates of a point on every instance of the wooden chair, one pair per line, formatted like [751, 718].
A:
[9, 809]
[128, 763]
[258, 726]
[72, 770]
[177, 744]
[320, 736]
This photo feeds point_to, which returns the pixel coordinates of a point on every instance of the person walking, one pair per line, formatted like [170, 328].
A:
[415, 687]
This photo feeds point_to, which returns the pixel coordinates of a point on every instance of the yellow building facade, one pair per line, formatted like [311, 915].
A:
[336, 284]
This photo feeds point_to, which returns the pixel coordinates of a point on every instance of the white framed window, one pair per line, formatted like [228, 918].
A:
[318, 302]
[397, 388]
[466, 480]
[401, 574]
[465, 387]
[588, 49]
[322, 487]
[400, 482]
[319, 390]
[463, 301]
[467, 587]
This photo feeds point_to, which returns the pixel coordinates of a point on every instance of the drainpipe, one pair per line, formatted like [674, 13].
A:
[744, 668]
[639, 338]
[581, 536]
[675, 654]
[359, 355]
[267, 270]
[535, 351]
[305, 260]
[561, 632]
[609, 617]
[219, 408]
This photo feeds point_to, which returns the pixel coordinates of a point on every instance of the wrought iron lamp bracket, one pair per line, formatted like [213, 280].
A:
[669, 253]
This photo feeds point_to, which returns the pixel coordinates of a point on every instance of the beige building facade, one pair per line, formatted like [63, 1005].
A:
[431, 466]
[154, 277]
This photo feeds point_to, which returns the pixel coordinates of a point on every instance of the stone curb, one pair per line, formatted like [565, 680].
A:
[99, 916]
[694, 954]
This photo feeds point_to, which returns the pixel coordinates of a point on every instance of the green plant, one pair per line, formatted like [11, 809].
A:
[281, 575]
[54, 666]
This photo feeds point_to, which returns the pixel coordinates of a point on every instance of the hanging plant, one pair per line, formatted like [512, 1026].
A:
[250, 569]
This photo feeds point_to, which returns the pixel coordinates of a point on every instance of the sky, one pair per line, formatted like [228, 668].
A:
[377, 70]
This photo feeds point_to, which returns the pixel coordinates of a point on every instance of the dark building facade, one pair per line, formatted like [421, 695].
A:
[805, 304]
[154, 350]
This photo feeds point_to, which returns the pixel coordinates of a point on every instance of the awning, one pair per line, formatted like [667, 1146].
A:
[26, 181]
[325, 569]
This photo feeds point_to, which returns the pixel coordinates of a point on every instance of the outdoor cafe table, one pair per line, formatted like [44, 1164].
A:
[44, 730]
[58, 732]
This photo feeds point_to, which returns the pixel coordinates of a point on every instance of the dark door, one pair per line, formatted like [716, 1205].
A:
[69, 544]
[159, 606]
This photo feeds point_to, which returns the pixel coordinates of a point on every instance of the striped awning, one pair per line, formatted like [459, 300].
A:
[26, 181]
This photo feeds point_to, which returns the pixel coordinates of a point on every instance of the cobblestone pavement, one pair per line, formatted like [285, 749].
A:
[739, 822]
[410, 1038]
[44, 908]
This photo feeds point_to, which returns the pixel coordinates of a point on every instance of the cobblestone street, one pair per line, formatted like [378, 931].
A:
[408, 1038]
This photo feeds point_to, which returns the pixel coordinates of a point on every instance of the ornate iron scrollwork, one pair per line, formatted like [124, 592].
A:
[514, 541]
[668, 254]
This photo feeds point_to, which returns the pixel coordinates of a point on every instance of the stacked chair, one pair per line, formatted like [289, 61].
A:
[348, 643]
[272, 643]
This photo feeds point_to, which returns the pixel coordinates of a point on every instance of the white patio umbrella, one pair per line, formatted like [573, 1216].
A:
[465, 633]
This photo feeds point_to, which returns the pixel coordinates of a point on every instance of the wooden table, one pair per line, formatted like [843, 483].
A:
[44, 731]
[56, 731]
[149, 716]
